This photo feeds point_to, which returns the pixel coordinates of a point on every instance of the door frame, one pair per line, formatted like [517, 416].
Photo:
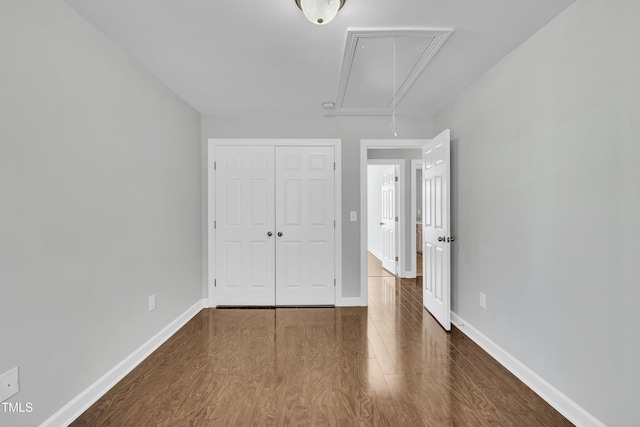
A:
[212, 143]
[400, 208]
[415, 166]
[365, 145]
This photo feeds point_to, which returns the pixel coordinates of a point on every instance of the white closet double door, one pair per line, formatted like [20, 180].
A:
[275, 226]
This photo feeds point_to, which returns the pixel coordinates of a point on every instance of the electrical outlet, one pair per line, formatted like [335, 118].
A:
[152, 302]
[9, 384]
[483, 300]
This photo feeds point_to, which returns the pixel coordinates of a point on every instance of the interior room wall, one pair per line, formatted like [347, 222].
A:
[546, 206]
[407, 155]
[99, 205]
[350, 129]
[374, 208]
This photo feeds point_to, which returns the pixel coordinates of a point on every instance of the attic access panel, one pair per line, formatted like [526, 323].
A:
[367, 77]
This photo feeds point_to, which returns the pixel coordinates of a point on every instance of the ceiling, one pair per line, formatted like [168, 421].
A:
[380, 66]
[263, 58]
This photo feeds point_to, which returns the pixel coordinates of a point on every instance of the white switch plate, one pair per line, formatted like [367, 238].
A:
[353, 216]
[9, 384]
[483, 300]
[152, 302]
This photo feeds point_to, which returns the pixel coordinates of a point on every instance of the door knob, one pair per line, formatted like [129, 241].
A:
[382, 223]
[440, 239]
[269, 234]
[451, 239]
[279, 233]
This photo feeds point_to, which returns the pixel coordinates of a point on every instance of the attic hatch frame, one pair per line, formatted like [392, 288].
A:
[354, 35]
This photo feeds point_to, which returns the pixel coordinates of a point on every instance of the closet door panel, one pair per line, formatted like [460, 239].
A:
[304, 186]
[245, 253]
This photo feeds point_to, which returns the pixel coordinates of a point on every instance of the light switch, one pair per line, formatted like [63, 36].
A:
[353, 216]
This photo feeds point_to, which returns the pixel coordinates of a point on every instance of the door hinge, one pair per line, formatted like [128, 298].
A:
[396, 259]
[396, 219]
[334, 283]
[215, 283]
[334, 165]
[215, 224]
[396, 179]
[334, 223]
[214, 165]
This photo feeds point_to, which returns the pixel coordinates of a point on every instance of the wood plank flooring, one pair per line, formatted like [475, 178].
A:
[386, 365]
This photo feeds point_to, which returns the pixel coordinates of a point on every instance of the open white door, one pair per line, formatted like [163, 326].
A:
[436, 251]
[389, 219]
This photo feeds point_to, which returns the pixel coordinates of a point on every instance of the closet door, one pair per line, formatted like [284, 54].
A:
[245, 252]
[305, 227]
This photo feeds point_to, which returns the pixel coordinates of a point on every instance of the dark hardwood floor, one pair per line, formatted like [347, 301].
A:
[389, 364]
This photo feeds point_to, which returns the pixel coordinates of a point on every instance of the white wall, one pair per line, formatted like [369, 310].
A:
[374, 207]
[99, 204]
[350, 130]
[546, 205]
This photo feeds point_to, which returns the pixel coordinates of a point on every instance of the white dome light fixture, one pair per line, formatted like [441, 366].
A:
[320, 12]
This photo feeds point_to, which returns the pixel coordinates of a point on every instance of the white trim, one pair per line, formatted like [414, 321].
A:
[335, 143]
[265, 142]
[375, 254]
[211, 235]
[72, 410]
[415, 165]
[204, 214]
[351, 302]
[365, 144]
[563, 404]
[337, 153]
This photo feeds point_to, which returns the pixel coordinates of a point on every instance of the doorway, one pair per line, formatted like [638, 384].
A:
[384, 151]
[416, 216]
[436, 227]
[385, 208]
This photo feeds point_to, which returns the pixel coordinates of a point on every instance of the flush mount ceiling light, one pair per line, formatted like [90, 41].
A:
[320, 12]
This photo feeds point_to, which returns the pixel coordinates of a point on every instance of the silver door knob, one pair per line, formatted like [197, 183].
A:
[440, 239]
[279, 233]
[269, 234]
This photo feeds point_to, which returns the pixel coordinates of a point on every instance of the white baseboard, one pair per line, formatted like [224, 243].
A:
[402, 273]
[341, 302]
[72, 410]
[407, 274]
[351, 302]
[567, 407]
[375, 254]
